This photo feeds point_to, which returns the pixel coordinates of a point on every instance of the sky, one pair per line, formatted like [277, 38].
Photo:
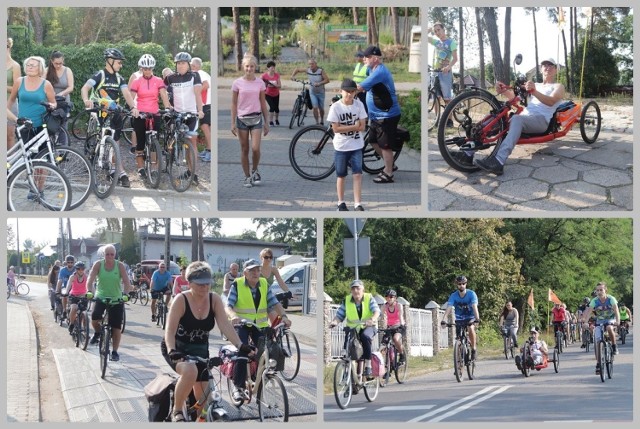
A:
[45, 231]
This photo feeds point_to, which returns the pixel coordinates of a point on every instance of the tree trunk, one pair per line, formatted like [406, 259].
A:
[507, 43]
[167, 241]
[220, 56]
[354, 13]
[491, 26]
[461, 48]
[372, 29]
[254, 29]
[480, 50]
[405, 29]
[535, 40]
[37, 25]
[395, 25]
[238, 37]
[194, 239]
[200, 240]
[566, 60]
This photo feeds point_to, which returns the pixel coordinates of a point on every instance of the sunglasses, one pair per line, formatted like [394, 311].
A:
[267, 257]
[462, 284]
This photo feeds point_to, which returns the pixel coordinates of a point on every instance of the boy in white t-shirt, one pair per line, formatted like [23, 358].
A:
[348, 119]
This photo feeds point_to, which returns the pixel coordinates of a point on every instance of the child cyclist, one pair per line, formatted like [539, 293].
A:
[348, 119]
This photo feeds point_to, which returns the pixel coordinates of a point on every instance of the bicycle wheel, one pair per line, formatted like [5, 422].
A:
[623, 335]
[458, 360]
[77, 169]
[181, 157]
[273, 403]
[586, 338]
[590, 122]
[302, 114]
[46, 189]
[601, 358]
[311, 153]
[526, 360]
[433, 115]
[291, 350]
[153, 161]
[371, 389]
[506, 341]
[84, 323]
[565, 343]
[8, 291]
[609, 361]
[556, 360]
[558, 339]
[384, 380]
[342, 384]
[60, 138]
[372, 162]
[144, 295]
[105, 338]
[158, 313]
[164, 316]
[454, 142]
[127, 129]
[471, 367]
[22, 289]
[79, 124]
[400, 368]
[104, 162]
[124, 318]
[295, 112]
[133, 298]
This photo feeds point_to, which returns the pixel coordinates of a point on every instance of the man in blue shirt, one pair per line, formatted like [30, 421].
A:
[465, 302]
[160, 285]
[384, 110]
[63, 277]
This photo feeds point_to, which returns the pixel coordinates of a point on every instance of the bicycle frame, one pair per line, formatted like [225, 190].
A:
[208, 407]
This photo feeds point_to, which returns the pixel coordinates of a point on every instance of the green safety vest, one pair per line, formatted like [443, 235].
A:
[245, 307]
[351, 313]
[359, 73]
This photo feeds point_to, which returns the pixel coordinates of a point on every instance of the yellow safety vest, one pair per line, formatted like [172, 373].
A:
[359, 73]
[351, 313]
[245, 307]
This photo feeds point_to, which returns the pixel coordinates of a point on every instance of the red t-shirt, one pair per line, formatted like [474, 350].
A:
[271, 91]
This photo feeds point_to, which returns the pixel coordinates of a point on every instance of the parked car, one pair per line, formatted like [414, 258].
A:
[295, 276]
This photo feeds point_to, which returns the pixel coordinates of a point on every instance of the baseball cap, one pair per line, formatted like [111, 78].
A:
[372, 50]
[357, 283]
[359, 54]
[250, 263]
[533, 330]
[550, 61]
[201, 277]
[349, 85]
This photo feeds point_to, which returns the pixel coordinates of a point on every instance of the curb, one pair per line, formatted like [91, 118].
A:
[163, 192]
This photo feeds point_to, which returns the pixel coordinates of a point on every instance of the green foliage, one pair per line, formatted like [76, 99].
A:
[299, 233]
[600, 68]
[411, 117]
[129, 245]
[227, 41]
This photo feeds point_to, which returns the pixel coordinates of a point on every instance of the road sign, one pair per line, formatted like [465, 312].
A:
[364, 252]
[355, 224]
[26, 257]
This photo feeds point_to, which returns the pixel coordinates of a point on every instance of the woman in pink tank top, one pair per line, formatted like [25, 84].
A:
[77, 289]
[394, 318]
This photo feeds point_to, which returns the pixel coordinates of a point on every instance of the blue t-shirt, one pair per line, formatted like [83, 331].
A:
[463, 305]
[159, 280]
[64, 275]
[381, 74]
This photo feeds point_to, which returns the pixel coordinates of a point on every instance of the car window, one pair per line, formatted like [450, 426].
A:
[298, 274]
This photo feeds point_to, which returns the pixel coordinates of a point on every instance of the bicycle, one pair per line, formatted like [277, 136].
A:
[604, 350]
[152, 153]
[462, 350]
[289, 344]
[587, 338]
[623, 330]
[434, 100]
[391, 358]
[271, 395]
[106, 333]
[508, 344]
[84, 124]
[180, 158]
[34, 184]
[560, 337]
[347, 376]
[20, 288]
[162, 310]
[80, 332]
[300, 106]
[527, 363]
[59, 310]
[141, 292]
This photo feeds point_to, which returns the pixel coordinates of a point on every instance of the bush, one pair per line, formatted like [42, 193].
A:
[411, 117]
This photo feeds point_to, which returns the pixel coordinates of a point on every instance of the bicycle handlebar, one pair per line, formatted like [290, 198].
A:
[211, 362]
[303, 82]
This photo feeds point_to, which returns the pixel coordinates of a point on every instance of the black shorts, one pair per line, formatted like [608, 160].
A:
[202, 373]
[273, 102]
[155, 294]
[383, 131]
[206, 119]
[115, 313]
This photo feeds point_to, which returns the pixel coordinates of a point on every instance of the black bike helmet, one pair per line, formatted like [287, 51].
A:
[79, 265]
[461, 279]
[114, 53]
[182, 56]
[586, 300]
[69, 258]
[390, 292]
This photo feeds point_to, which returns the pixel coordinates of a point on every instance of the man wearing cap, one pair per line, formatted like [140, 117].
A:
[544, 99]
[539, 350]
[348, 120]
[383, 109]
[360, 73]
[359, 307]
[160, 285]
[318, 78]
[250, 298]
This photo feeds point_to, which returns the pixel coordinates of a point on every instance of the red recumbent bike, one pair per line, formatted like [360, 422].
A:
[526, 359]
[481, 121]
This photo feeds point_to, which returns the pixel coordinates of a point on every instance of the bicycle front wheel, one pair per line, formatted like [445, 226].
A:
[144, 296]
[181, 160]
[311, 153]
[83, 335]
[105, 161]
[371, 389]
[505, 342]
[77, 169]
[601, 358]
[384, 380]
[79, 124]
[105, 338]
[124, 318]
[127, 129]
[302, 114]
[609, 361]
[401, 368]
[22, 289]
[164, 316]
[458, 360]
[471, 367]
[46, 189]
[342, 384]
[295, 112]
[590, 122]
[153, 162]
[273, 403]
[291, 350]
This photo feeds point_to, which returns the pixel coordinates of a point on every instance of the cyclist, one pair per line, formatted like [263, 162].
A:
[147, 88]
[567, 318]
[539, 350]
[581, 308]
[359, 306]
[52, 282]
[229, 278]
[160, 286]
[444, 58]
[465, 302]
[625, 315]
[383, 110]
[108, 273]
[558, 318]
[393, 318]
[318, 78]
[360, 73]
[509, 319]
[63, 279]
[181, 284]
[205, 123]
[186, 87]
[11, 277]
[605, 309]
[106, 87]
[77, 286]
[192, 316]
[250, 298]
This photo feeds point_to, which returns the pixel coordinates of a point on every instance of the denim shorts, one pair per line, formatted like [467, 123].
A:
[241, 126]
[351, 158]
[446, 84]
[317, 100]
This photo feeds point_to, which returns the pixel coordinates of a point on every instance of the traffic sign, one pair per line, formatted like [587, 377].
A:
[355, 224]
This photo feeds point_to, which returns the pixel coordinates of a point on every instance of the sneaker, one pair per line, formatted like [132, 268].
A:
[473, 354]
[342, 207]
[124, 181]
[153, 317]
[32, 196]
[277, 123]
[237, 394]
[598, 368]
[359, 208]
[115, 356]
[248, 182]
[367, 372]
[71, 327]
[177, 417]
[142, 173]
[195, 180]
[132, 150]
[271, 123]
[490, 164]
[615, 349]
[462, 158]
[519, 362]
[256, 178]
[207, 156]
[95, 339]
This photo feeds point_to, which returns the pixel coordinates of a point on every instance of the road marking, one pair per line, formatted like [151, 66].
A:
[470, 404]
[349, 410]
[458, 402]
[406, 408]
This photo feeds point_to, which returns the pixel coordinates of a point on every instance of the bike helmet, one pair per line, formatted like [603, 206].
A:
[79, 265]
[586, 300]
[147, 61]
[461, 279]
[114, 53]
[621, 304]
[69, 258]
[390, 292]
[182, 56]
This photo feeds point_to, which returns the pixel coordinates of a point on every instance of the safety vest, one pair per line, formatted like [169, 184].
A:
[246, 309]
[359, 73]
[351, 312]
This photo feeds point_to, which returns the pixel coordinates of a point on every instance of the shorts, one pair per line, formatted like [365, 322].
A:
[597, 332]
[115, 313]
[350, 158]
[74, 299]
[155, 294]
[383, 132]
[446, 84]
[241, 126]
[192, 123]
[206, 119]
[317, 100]
[202, 374]
[274, 103]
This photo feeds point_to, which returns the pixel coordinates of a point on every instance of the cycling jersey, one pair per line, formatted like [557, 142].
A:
[111, 85]
[624, 314]
[147, 91]
[463, 304]
[182, 86]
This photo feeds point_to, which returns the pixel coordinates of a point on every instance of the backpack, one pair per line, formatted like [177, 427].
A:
[377, 364]
[159, 394]
[381, 97]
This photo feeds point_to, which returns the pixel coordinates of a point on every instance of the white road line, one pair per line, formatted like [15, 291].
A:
[406, 408]
[451, 405]
[348, 410]
[470, 404]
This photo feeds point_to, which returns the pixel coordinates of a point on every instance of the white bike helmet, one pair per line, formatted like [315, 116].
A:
[147, 61]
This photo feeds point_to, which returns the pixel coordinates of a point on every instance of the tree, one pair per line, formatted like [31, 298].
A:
[167, 241]
[480, 47]
[238, 37]
[395, 25]
[532, 11]
[372, 26]
[254, 36]
[11, 237]
[299, 233]
[129, 246]
[461, 46]
[500, 70]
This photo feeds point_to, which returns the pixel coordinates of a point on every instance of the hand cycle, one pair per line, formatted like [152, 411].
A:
[106, 332]
[288, 343]
[19, 288]
[80, 332]
[300, 107]
[485, 122]
[436, 100]
[271, 395]
[527, 363]
[604, 350]
[462, 350]
[507, 342]
[180, 158]
[391, 358]
[152, 153]
[347, 376]
[311, 152]
[34, 184]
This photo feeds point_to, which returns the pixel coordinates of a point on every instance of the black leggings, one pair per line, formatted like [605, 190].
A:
[139, 126]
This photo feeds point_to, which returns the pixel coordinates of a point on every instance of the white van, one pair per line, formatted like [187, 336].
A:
[295, 277]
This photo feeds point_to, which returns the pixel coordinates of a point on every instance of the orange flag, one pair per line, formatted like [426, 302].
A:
[530, 299]
[553, 297]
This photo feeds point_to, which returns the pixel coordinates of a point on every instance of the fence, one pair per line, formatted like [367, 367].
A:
[312, 296]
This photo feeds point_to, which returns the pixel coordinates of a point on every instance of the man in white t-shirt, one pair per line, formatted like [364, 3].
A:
[348, 119]
[205, 123]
